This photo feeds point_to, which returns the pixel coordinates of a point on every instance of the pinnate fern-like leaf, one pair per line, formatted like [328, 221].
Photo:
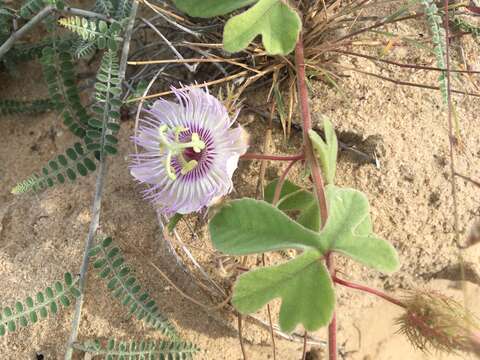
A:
[32, 7]
[26, 313]
[76, 161]
[115, 349]
[99, 31]
[9, 107]
[111, 266]
[58, 71]
[101, 137]
[438, 38]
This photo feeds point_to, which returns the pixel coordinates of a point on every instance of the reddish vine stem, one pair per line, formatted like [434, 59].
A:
[332, 327]
[314, 167]
[281, 181]
[255, 156]
[369, 290]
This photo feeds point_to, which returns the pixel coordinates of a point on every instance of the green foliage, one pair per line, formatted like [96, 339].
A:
[31, 51]
[294, 198]
[31, 310]
[122, 9]
[123, 286]
[31, 7]
[104, 7]
[349, 231]
[326, 151]
[89, 30]
[275, 20]
[83, 48]
[58, 70]
[9, 107]
[139, 349]
[439, 41]
[465, 26]
[248, 226]
[76, 161]
[303, 284]
[108, 90]
[6, 17]
[211, 8]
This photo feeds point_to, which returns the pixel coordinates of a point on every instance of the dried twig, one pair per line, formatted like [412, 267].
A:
[97, 201]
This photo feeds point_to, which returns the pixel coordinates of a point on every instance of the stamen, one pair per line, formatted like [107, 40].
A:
[175, 148]
[192, 164]
[168, 165]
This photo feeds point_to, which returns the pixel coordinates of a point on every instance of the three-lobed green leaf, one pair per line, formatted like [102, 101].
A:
[326, 151]
[277, 23]
[275, 20]
[210, 8]
[303, 284]
[248, 226]
[349, 231]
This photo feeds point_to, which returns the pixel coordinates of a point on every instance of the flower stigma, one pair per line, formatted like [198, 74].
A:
[175, 148]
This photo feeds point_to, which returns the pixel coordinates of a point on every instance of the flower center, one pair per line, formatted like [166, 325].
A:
[187, 153]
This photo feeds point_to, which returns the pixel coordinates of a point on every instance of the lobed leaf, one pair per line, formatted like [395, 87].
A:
[210, 8]
[303, 284]
[349, 231]
[294, 198]
[276, 21]
[326, 151]
[250, 226]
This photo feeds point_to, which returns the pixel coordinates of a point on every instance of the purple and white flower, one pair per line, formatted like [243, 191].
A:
[189, 152]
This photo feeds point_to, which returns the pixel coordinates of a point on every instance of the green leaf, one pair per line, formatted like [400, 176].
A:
[303, 284]
[210, 8]
[349, 230]
[294, 198]
[172, 223]
[250, 226]
[277, 23]
[326, 152]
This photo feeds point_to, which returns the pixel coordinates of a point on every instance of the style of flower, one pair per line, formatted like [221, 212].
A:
[190, 151]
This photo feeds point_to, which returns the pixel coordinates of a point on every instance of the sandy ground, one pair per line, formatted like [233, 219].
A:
[42, 236]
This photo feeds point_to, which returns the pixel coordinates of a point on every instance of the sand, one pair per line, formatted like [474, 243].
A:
[42, 235]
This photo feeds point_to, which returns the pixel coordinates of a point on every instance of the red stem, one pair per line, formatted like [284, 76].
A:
[332, 327]
[314, 168]
[254, 156]
[281, 181]
[369, 290]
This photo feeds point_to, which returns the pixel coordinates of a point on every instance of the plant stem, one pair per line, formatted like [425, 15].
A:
[42, 14]
[97, 201]
[255, 156]
[369, 290]
[240, 337]
[281, 181]
[314, 168]
[332, 327]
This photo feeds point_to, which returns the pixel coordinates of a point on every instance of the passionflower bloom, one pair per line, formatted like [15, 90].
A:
[189, 151]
